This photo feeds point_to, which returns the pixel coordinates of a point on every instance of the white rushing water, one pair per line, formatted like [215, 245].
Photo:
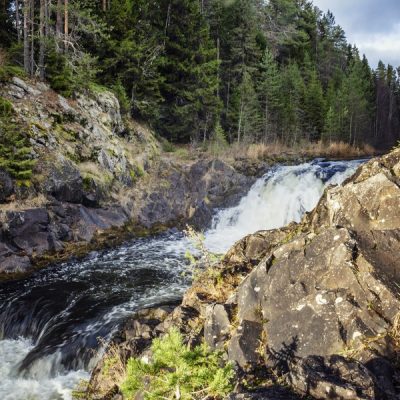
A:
[281, 196]
[50, 322]
[41, 385]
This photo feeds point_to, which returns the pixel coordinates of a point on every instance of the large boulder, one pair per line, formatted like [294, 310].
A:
[28, 230]
[6, 185]
[189, 193]
[63, 181]
[320, 303]
[332, 378]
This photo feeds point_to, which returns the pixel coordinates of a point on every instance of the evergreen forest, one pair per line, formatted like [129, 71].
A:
[249, 70]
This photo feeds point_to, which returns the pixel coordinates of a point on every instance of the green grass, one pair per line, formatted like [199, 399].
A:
[176, 371]
[8, 71]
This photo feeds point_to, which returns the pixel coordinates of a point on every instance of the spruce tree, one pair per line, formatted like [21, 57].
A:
[189, 71]
[314, 107]
[268, 88]
[292, 91]
[15, 150]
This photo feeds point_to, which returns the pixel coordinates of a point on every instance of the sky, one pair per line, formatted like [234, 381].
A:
[373, 25]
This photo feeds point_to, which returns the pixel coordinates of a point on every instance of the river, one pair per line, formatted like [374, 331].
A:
[51, 322]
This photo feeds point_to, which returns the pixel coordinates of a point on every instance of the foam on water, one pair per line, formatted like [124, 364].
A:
[38, 387]
[50, 322]
[283, 195]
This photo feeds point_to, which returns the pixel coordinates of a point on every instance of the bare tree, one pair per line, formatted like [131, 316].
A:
[59, 21]
[17, 21]
[32, 36]
[41, 38]
[66, 32]
[26, 6]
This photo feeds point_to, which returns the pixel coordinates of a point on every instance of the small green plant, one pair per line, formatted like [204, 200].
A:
[9, 71]
[204, 260]
[218, 141]
[15, 149]
[167, 146]
[183, 153]
[80, 392]
[177, 372]
[122, 97]
[6, 108]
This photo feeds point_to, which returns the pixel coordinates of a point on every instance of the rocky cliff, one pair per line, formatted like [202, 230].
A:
[312, 309]
[98, 177]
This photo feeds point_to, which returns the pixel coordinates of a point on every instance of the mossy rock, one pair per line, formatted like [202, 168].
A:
[7, 72]
[6, 107]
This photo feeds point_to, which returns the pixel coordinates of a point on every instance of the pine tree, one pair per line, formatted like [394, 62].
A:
[246, 109]
[292, 91]
[190, 66]
[269, 84]
[132, 54]
[241, 55]
[314, 107]
[14, 145]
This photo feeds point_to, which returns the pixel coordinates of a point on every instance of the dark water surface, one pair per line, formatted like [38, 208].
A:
[51, 322]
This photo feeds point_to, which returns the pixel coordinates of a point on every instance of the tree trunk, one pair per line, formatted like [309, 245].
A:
[47, 6]
[66, 23]
[17, 21]
[32, 26]
[104, 5]
[41, 38]
[167, 21]
[26, 36]
[240, 121]
[59, 21]
[266, 121]
[218, 57]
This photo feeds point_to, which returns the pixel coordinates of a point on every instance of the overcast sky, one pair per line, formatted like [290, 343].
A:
[373, 25]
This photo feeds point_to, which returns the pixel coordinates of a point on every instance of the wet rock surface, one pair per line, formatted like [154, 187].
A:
[98, 177]
[315, 305]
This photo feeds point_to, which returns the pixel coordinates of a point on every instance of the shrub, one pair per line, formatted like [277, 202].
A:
[8, 71]
[15, 149]
[6, 108]
[122, 97]
[167, 146]
[178, 372]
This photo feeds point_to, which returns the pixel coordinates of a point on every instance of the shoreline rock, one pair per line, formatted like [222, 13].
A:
[314, 306]
[98, 177]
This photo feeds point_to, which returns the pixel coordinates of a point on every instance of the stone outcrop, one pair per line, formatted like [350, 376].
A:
[98, 178]
[316, 304]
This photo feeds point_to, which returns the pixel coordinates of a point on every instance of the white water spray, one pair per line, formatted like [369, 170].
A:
[40, 385]
[281, 196]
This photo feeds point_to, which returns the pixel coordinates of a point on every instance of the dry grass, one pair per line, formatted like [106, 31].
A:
[340, 149]
[21, 205]
[3, 57]
[279, 151]
[395, 331]
[113, 372]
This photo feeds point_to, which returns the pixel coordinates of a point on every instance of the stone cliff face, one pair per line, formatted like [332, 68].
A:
[314, 306]
[98, 177]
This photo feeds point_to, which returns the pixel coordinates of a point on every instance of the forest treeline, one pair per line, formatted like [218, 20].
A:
[246, 70]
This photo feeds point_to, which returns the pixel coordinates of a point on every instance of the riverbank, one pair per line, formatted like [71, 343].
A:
[311, 309]
[99, 178]
[78, 302]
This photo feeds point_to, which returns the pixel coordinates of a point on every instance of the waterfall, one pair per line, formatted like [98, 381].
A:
[50, 321]
[281, 196]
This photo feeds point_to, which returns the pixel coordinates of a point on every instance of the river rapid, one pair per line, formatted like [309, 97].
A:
[52, 323]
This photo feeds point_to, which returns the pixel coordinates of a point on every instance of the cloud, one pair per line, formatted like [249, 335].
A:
[370, 24]
[378, 46]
